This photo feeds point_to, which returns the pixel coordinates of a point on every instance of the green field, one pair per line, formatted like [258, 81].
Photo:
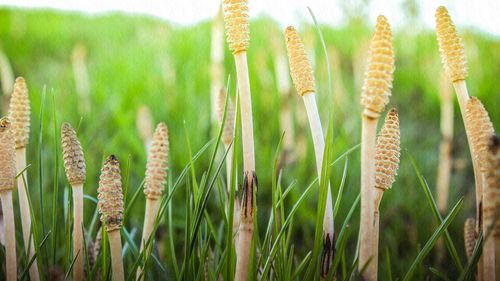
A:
[138, 60]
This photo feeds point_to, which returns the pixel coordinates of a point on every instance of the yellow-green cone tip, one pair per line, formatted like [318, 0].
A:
[300, 66]
[237, 26]
[451, 48]
[379, 70]
[74, 161]
[110, 196]
[19, 112]
[156, 169]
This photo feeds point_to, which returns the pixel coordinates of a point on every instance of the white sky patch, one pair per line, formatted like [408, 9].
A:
[480, 14]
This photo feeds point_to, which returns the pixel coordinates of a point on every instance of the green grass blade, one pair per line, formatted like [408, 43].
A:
[432, 203]
[430, 243]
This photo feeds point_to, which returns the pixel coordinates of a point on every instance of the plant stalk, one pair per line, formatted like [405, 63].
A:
[152, 208]
[366, 252]
[115, 248]
[22, 186]
[463, 96]
[379, 192]
[250, 180]
[446, 145]
[78, 244]
[10, 235]
[319, 147]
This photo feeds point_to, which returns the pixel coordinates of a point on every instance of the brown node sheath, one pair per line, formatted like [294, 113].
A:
[74, 161]
[450, 46]
[110, 196]
[300, 66]
[237, 26]
[157, 166]
[327, 255]
[250, 184]
[19, 112]
[379, 70]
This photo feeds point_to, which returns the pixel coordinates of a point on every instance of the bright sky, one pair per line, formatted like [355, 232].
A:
[481, 14]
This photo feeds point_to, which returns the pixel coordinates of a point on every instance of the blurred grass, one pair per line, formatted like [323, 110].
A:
[137, 60]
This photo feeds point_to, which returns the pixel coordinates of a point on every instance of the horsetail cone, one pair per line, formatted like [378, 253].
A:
[156, 170]
[450, 46]
[237, 26]
[300, 66]
[7, 155]
[19, 113]
[74, 161]
[228, 132]
[379, 70]
[481, 129]
[492, 206]
[469, 236]
[387, 151]
[110, 196]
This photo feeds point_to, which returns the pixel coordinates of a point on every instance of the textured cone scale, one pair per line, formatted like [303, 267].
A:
[469, 236]
[156, 170]
[450, 46]
[110, 196]
[379, 70]
[7, 155]
[74, 162]
[228, 132]
[237, 27]
[19, 112]
[492, 192]
[481, 129]
[300, 66]
[387, 151]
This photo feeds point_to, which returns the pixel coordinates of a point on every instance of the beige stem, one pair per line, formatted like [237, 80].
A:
[78, 250]
[319, 147]
[22, 186]
[217, 62]
[152, 208]
[379, 192]
[246, 227]
[10, 234]
[463, 96]
[444, 173]
[115, 245]
[246, 111]
[367, 203]
[445, 159]
[243, 250]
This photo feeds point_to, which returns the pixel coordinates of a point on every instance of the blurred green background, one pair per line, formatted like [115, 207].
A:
[133, 60]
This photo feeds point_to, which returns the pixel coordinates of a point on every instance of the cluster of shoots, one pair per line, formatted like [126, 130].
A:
[479, 130]
[380, 157]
